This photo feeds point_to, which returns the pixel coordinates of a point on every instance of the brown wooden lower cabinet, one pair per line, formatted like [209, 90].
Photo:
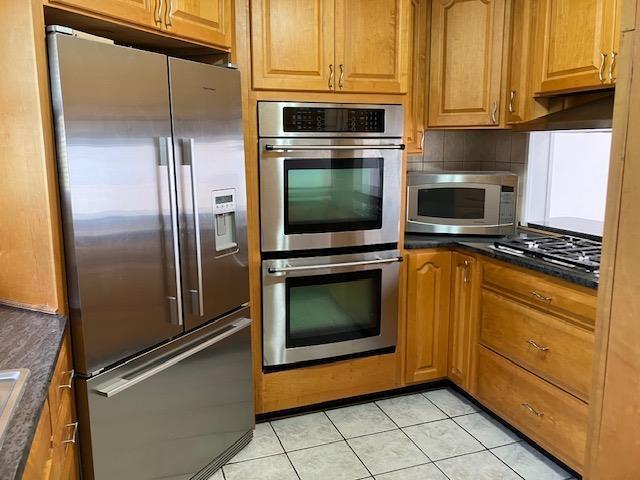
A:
[54, 451]
[553, 418]
[464, 304]
[428, 290]
[549, 346]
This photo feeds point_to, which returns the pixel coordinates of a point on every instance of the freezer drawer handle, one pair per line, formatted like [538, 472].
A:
[271, 148]
[123, 384]
[273, 270]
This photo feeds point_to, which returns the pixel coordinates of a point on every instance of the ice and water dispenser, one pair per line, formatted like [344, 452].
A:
[224, 213]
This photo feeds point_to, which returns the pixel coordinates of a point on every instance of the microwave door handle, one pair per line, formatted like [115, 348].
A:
[123, 384]
[271, 148]
[275, 270]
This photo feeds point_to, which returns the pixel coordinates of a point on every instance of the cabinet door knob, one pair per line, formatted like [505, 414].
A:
[512, 97]
[158, 12]
[170, 14]
[69, 383]
[466, 265]
[331, 76]
[603, 63]
[541, 297]
[532, 410]
[612, 67]
[537, 346]
[74, 433]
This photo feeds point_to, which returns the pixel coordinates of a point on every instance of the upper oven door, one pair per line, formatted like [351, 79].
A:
[455, 207]
[328, 193]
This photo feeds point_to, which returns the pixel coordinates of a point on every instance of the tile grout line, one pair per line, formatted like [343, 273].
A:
[347, 443]
[488, 449]
[286, 454]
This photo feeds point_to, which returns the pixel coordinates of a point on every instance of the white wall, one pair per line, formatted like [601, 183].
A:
[567, 175]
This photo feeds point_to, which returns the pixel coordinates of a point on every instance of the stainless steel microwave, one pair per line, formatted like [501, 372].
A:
[464, 203]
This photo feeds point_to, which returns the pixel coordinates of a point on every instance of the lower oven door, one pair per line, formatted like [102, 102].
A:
[328, 193]
[326, 307]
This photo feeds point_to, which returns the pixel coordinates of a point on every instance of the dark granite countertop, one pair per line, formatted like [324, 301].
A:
[27, 340]
[483, 246]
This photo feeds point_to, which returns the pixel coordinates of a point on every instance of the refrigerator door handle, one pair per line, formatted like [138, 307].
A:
[166, 158]
[122, 384]
[188, 156]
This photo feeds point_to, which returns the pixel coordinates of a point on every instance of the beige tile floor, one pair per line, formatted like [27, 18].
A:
[434, 435]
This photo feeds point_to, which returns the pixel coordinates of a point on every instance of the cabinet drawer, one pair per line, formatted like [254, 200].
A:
[65, 435]
[542, 291]
[543, 343]
[551, 417]
[61, 382]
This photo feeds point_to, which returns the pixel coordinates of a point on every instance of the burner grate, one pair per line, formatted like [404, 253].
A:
[568, 251]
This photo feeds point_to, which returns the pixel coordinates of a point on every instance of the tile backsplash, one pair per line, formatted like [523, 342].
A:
[451, 150]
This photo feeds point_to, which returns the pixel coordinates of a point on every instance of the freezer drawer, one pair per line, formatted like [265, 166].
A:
[174, 411]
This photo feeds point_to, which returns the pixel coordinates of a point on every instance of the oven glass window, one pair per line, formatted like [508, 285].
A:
[333, 308]
[463, 203]
[333, 195]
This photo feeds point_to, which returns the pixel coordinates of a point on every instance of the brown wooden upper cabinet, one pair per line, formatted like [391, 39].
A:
[414, 112]
[202, 21]
[521, 40]
[466, 62]
[354, 46]
[578, 44]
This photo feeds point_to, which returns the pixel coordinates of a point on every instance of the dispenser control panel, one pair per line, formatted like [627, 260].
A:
[224, 214]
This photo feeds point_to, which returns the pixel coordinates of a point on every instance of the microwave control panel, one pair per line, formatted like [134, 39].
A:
[333, 120]
[507, 205]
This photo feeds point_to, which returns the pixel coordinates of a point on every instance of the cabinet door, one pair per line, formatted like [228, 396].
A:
[466, 62]
[464, 302]
[39, 461]
[146, 13]
[292, 44]
[372, 46]
[417, 82]
[205, 21]
[428, 316]
[520, 53]
[576, 38]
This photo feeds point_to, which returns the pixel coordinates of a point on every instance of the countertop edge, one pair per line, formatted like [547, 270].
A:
[37, 347]
[481, 246]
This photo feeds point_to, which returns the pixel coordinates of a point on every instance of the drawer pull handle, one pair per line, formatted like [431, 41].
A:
[534, 344]
[533, 410]
[539, 296]
[73, 435]
[69, 383]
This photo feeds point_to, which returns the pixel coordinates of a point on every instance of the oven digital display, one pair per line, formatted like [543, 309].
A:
[333, 120]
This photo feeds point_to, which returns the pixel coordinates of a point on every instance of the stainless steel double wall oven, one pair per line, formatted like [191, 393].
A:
[330, 190]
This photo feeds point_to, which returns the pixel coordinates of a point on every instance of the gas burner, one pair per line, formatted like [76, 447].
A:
[568, 251]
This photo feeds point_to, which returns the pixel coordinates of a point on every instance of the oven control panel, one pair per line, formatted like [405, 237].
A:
[353, 120]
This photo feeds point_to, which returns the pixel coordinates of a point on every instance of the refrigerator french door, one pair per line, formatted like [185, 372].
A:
[151, 166]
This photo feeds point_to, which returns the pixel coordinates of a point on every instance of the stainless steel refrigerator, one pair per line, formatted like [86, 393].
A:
[152, 186]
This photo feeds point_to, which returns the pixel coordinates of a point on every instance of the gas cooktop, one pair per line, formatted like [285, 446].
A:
[567, 251]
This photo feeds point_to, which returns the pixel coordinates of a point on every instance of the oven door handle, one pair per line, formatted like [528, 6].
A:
[377, 261]
[272, 148]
